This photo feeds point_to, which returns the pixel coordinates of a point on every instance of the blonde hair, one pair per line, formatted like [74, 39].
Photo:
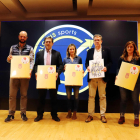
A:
[135, 53]
[67, 53]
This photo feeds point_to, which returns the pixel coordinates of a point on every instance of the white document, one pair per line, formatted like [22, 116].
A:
[96, 67]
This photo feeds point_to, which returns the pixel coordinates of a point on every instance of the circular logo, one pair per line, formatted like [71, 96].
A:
[134, 70]
[64, 35]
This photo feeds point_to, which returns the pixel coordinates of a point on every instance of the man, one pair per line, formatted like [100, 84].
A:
[97, 53]
[15, 84]
[48, 56]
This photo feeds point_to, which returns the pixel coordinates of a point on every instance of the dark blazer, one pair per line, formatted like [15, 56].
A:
[106, 55]
[55, 60]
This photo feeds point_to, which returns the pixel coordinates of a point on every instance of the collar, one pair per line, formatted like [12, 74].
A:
[69, 57]
[20, 46]
[99, 49]
[48, 50]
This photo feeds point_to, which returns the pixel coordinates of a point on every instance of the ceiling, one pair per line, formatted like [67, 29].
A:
[69, 9]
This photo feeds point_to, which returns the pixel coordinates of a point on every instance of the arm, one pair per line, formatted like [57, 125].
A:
[59, 64]
[119, 65]
[10, 56]
[109, 61]
[87, 62]
[31, 59]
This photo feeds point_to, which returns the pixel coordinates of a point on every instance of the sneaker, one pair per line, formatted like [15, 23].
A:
[121, 120]
[23, 116]
[9, 118]
[136, 122]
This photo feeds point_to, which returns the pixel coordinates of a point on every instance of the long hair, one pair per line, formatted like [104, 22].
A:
[67, 53]
[135, 53]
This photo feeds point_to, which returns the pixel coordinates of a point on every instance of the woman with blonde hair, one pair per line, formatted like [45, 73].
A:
[72, 58]
[130, 55]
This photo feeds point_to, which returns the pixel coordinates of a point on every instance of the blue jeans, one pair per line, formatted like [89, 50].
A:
[76, 94]
[135, 98]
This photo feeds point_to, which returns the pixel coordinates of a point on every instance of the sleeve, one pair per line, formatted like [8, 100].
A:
[119, 65]
[36, 62]
[87, 60]
[80, 60]
[60, 64]
[10, 53]
[109, 60]
[31, 58]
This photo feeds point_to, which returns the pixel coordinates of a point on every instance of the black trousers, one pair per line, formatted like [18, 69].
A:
[42, 98]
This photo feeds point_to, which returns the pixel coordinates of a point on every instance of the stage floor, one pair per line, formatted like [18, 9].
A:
[68, 129]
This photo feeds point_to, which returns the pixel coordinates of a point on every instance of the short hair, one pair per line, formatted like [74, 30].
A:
[135, 53]
[67, 53]
[97, 35]
[47, 38]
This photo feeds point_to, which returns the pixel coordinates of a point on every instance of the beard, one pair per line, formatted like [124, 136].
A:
[22, 41]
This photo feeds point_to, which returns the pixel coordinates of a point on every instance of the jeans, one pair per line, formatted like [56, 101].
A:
[135, 98]
[76, 94]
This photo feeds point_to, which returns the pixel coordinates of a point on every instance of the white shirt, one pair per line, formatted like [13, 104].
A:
[45, 56]
[97, 54]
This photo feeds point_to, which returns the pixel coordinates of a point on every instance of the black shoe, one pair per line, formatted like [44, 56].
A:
[9, 118]
[23, 116]
[38, 118]
[56, 119]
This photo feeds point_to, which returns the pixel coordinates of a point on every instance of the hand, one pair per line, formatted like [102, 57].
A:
[56, 75]
[88, 69]
[104, 69]
[30, 73]
[83, 73]
[9, 58]
[64, 67]
[36, 76]
[116, 78]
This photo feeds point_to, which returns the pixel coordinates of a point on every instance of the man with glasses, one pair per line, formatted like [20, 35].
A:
[48, 56]
[97, 53]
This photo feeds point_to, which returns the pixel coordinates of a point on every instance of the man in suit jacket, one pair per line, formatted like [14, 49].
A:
[48, 56]
[97, 53]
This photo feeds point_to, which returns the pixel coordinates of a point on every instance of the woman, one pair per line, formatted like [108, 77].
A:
[130, 55]
[72, 58]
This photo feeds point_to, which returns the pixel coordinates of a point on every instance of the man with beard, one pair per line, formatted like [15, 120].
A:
[15, 84]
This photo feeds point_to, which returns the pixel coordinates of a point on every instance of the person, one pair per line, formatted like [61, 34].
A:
[130, 55]
[48, 56]
[15, 84]
[72, 58]
[97, 53]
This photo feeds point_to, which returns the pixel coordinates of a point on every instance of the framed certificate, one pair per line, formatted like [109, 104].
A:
[74, 74]
[20, 66]
[46, 77]
[127, 76]
[96, 67]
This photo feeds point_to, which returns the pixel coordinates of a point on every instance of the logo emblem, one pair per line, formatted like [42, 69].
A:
[127, 75]
[51, 69]
[64, 35]
[134, 70]
[19, 66]
[46, 76]
[25, 60]
[73, 74]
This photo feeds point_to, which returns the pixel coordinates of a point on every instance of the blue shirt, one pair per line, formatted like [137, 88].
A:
[76, 60]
